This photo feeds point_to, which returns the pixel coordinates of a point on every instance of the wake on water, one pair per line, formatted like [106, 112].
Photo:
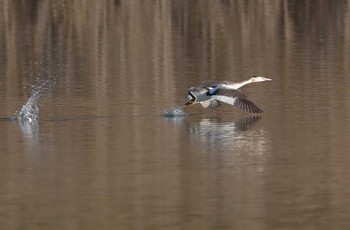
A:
[177, 111]
[29, 112]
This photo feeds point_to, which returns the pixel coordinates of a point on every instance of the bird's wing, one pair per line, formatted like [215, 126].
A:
[211, 104]
[213, 90]
[236, 98]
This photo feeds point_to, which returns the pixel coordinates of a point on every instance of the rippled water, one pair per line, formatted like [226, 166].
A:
[103, 74]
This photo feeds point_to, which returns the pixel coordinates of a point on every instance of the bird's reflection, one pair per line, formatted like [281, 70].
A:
[210, 126]
[216, 133]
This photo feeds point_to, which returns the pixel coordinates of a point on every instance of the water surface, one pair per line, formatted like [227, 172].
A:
[103, 156]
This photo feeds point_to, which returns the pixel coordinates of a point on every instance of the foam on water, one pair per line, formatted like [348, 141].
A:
[177, 111]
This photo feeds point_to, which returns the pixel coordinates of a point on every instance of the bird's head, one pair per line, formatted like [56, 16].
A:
[259, 79]
[190, 97]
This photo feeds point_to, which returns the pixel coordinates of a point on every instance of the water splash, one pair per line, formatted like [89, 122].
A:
[30, 110]
[177, 111]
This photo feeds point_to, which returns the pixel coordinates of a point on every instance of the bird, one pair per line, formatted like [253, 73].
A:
[211, 95]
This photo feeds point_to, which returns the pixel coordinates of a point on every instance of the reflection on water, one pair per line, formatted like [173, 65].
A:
[106, 157]
[228, 135]
[30, 129]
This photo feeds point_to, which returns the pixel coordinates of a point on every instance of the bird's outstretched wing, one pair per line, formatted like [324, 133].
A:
[211, 104]
[236, 98]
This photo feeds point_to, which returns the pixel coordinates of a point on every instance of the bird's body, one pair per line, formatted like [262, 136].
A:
[213, 94]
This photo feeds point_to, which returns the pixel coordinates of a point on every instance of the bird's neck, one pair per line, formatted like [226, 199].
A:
[242, 83]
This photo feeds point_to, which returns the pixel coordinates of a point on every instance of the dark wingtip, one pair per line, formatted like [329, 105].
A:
[252, 108]
[259, 111]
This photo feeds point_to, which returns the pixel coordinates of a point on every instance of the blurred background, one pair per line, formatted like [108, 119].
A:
[103, 156]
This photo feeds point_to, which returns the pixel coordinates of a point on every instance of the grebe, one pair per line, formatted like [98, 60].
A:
[211, 95]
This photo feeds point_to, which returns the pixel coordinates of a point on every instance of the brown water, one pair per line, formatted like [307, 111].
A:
[102, 156]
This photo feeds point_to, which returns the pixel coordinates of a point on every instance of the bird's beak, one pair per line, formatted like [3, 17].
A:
[188, 99]
[268, 79]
